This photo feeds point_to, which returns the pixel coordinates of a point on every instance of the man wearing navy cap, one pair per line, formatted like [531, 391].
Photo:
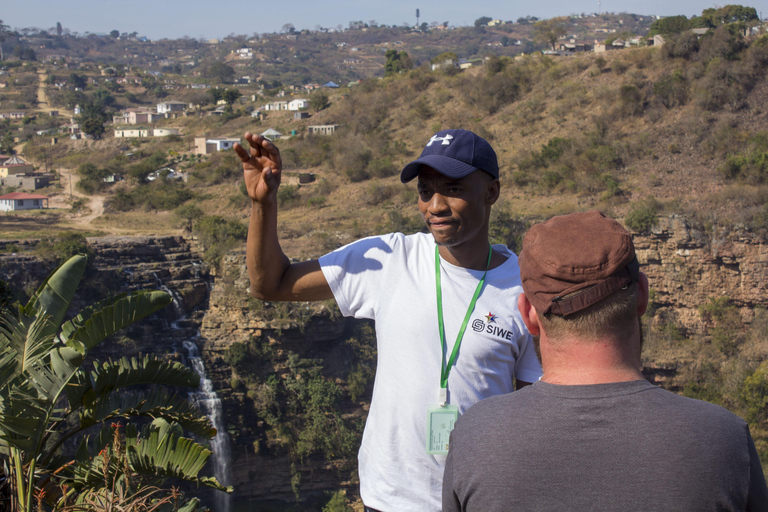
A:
[447, 326]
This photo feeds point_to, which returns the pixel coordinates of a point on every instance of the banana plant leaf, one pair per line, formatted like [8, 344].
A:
[86, 388]
[57, 291]
[158, 404]
[97, 322]
[170, 455]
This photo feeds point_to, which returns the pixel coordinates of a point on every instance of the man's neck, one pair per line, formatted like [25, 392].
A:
[590, 362]
[473, 257]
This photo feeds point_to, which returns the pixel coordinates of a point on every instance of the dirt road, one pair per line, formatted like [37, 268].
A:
[93, 206]
[42, 95]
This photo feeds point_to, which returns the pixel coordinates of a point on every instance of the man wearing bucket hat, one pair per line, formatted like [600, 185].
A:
[593, 434]
[429, 294]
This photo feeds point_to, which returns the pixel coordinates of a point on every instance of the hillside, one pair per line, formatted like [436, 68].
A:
[671, 140]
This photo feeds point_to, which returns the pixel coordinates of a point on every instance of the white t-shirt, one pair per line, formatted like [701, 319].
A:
[391, 279]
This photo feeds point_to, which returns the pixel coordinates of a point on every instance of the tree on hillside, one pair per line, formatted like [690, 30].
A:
[318, 101]
[219, 71]
[482, 21]
[729, 14]
[93, 118]
[549, 31]
[230, 96]
[59, 29]
[215, 94]
[77, 81]
[188, 213]
[397, 62]
[670, 25]
[3, 36]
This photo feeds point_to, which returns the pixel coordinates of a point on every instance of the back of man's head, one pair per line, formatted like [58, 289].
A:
[580, 273]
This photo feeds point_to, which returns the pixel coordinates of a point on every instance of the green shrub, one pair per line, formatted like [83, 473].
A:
[643, 216]
[316, 201]
[63, 247]
[358, 380]
[672, 90]
[287, 195]
[337, 503]
[753, 395]
[218, 235]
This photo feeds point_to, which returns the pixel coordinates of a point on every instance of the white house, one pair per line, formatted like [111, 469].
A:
[126, 133]
[131, 133]
[298, 104]
[164, 132]
[277, 105]
[205, 146]
[171, 106]
[326, 129]
[22, 201]
[271, 134]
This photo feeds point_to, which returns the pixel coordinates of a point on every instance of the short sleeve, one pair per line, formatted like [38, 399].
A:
[355, 273]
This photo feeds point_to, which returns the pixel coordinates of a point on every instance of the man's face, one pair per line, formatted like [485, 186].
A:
[456, 211]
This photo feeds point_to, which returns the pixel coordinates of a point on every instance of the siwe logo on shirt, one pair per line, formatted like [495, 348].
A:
[489, 326]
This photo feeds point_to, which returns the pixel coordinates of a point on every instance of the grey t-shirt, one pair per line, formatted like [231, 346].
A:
[628, 446]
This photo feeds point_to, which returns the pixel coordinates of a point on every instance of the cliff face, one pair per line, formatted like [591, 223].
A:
[685, 266]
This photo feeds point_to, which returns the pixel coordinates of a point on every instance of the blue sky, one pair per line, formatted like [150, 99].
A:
[159, 19]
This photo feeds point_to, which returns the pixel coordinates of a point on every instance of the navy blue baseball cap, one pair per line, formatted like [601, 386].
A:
[454, 153]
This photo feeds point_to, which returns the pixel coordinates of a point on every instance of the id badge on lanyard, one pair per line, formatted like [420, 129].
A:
[441, 417]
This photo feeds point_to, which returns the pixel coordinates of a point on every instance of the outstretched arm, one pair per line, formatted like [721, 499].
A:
[272, 275]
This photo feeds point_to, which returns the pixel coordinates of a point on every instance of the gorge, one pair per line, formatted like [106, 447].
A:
[686, 266]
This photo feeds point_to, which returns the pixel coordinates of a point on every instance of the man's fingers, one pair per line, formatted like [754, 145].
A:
[241, 152]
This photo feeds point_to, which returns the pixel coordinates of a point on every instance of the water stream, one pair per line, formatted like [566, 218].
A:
[205, 398]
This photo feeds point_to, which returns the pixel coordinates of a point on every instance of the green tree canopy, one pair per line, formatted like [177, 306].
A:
[482, 21]
[670, 25]
[549, 31]
[230, 96]
[318, 101]
[219, 71]
[397, 62]
[729, 14]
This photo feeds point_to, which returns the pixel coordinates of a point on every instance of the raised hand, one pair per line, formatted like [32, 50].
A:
[262, 167]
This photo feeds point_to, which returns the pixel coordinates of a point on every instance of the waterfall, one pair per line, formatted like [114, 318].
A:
[205, 398]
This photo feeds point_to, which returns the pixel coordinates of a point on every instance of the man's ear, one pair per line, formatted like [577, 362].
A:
[643, 294]
[529, 314]
[494, 191]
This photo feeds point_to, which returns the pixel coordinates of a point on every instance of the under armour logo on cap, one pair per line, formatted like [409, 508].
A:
[445, 140]
[458, 154]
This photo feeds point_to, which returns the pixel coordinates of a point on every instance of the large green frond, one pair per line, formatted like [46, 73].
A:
[144, 370]
[85, 389]
[158, 404]
[170, 455]
[29, 340]
[23, 417]
[101, 320]
[56, 292]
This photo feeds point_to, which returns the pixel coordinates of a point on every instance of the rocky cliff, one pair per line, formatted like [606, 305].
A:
[686, 267]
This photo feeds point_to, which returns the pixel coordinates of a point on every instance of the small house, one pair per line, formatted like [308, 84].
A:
[22, 201]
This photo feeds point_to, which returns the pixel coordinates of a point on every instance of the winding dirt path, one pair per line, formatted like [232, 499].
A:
[94, 204]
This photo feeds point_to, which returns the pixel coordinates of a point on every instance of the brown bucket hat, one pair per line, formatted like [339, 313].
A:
[574, 261]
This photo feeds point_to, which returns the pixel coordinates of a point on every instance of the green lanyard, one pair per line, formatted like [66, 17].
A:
[445, 370]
